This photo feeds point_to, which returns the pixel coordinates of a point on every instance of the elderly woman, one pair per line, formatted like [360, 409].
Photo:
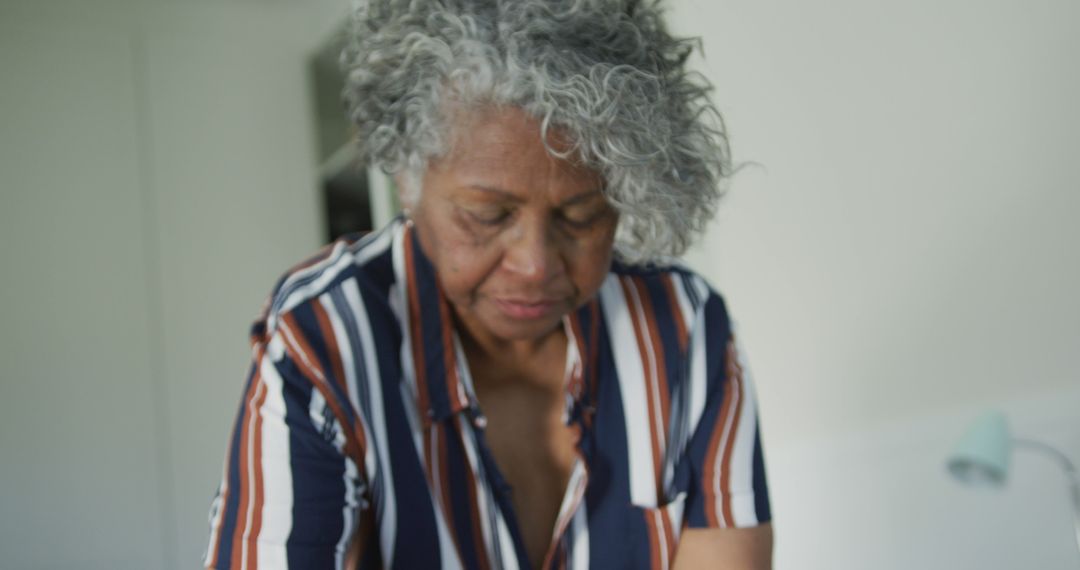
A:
[513, 374]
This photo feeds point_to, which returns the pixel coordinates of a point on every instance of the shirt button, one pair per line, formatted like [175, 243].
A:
[480, 422]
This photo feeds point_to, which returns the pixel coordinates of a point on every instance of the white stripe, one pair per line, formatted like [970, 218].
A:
[351, 505]
[575, 488]
[483, 501]
[316, 411]
[300, 274]
[399, 304]
[683, 301]
[388, 513]
[335, 261]
[675, 510]
[653, 371]
[364, 250]
[506, 545]
[720, 492]
[698, 372]
[701, 288]
[215, 518]
[348, 362]
[400, 295]
[447, 551]
[743, 509]
[301, 294]
[579, 540]
[277, 472]
[217, 508]
[632, 389]
[350, 512]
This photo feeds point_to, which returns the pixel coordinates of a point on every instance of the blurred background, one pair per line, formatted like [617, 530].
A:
[900, 250]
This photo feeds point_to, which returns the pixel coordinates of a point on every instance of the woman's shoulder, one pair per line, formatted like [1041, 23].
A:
[666, 290]
[353, 269]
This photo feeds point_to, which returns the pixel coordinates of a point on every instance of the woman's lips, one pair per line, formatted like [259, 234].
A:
[521, 309]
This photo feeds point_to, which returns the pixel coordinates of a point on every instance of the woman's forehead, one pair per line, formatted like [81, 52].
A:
[503, 148]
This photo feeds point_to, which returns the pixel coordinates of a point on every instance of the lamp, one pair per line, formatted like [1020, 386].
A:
[982, 458]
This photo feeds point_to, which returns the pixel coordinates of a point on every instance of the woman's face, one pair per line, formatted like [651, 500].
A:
[518, 238]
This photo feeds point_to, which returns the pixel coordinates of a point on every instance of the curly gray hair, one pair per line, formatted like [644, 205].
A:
[605, 72]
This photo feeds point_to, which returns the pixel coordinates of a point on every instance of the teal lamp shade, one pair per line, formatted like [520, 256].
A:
[982, 456]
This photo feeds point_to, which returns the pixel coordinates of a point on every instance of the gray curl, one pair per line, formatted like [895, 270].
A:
[606, 72]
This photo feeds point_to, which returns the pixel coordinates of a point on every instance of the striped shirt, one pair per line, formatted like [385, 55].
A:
[359, 442]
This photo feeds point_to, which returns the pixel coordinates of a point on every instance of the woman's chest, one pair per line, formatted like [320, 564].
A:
[534, 452]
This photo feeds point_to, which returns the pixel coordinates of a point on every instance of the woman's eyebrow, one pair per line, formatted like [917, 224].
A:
[496, 191]
[581, 197]
[575, 199]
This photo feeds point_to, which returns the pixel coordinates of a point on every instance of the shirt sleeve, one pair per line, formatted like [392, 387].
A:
[728, 488]
[293, 486]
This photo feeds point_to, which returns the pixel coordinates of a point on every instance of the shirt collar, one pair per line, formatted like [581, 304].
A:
[443, 383]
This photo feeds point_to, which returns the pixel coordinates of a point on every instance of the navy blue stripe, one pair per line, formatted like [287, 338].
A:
[612, 533]
[356, 347]
[431, 325]
[761, 488]
[415, 517]
[308, 325]
[318, 472]
[417, 544]
[354, 243]
[417, 538]
[232, 502]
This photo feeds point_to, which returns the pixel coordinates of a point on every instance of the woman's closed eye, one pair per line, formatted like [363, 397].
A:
[490, 216]
[580, 218]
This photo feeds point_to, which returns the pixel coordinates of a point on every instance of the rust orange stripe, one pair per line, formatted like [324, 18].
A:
[474, 508]
[228, 459]
[658, 351]
[257, 504]
[439, 431]
[669, 536]
[419, 368]
[709, 474]
[453, 383]
[245, 466]
[676, 311]
[416, 334]
[300, 352]
[654, 539]
[333, 353]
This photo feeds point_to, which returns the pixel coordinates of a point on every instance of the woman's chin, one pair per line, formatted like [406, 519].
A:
[512, 328]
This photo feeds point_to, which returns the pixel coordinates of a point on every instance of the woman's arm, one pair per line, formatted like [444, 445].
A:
[727, 548]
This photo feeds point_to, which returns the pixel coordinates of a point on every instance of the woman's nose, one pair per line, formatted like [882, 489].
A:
[532, 253]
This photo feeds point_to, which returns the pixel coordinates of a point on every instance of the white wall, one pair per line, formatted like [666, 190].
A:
[156, 176]
[78, 469]
[900, 254]
[901, 257]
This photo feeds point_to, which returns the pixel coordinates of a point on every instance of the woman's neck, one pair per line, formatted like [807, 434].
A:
[493, 357]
